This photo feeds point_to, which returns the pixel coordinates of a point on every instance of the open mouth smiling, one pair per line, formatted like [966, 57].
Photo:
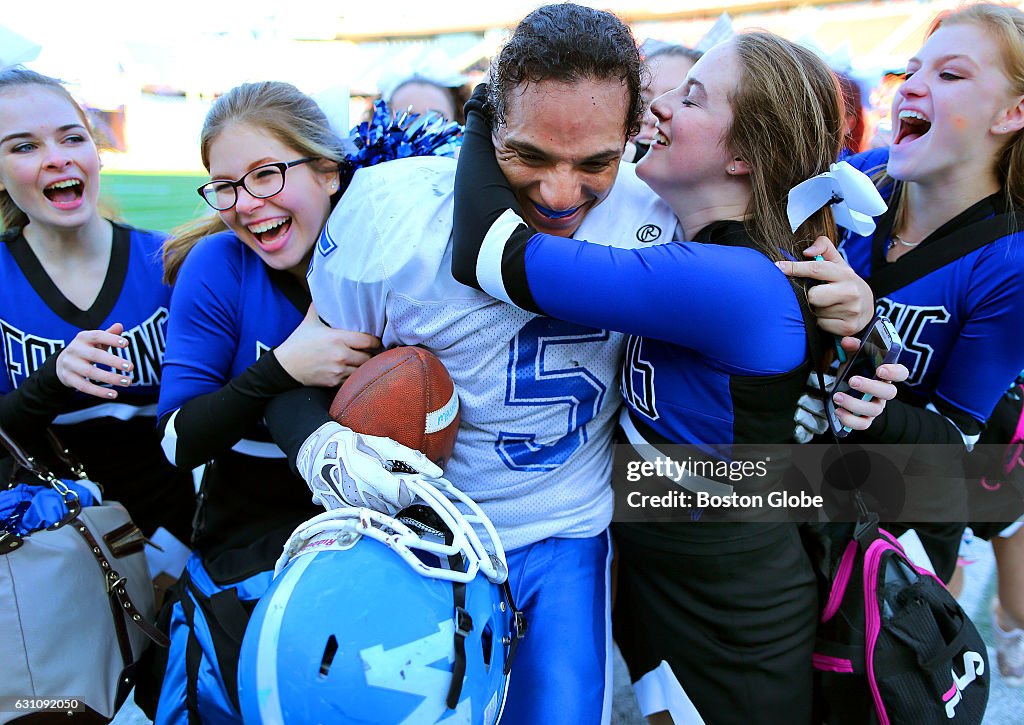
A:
[912, 126]
[64, 192]
[271, 230]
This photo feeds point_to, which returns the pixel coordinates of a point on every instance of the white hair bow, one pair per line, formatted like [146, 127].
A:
[853, 197]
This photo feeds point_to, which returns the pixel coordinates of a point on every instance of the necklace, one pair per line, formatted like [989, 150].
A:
[897, 239]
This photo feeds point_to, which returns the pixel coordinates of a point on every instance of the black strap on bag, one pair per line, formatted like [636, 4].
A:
[68, 458]
[866, 529]
[941, 251]
[38, 470]
[193, 662]
[121, 604]
[904, 678]
[226, 618]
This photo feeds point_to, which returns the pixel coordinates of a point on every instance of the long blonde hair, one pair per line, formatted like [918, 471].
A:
[14, 78]
[281, 110]
[1005, 25]
[787, 126]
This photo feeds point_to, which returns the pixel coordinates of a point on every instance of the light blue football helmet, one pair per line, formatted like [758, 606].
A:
[374, 619]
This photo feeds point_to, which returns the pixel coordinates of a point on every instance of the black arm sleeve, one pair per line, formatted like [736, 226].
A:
[294, 415]
[482, 193]
[28, 409]
[901, 422]
[941, 467]
[211, 423]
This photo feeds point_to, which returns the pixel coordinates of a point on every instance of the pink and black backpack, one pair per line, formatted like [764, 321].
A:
[893, 645]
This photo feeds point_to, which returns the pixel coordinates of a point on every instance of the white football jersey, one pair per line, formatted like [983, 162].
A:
[538, 396]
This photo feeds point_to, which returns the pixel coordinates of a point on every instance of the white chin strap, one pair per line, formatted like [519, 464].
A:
[344, 526]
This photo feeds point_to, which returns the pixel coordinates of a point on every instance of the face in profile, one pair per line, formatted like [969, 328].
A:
[48, 161]
[688, 151]
[560, 147]
[667, 72]
[282, 228]
[422, 97]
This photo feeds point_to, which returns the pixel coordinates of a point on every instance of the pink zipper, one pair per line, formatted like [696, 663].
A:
[835, 597]
[827, 663]
[873, 620]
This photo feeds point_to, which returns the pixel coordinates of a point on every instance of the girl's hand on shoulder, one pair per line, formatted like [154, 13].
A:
[843, 302]
[77, 363]
[318, 355]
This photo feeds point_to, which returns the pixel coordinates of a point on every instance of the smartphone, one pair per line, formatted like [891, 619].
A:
[880, 345]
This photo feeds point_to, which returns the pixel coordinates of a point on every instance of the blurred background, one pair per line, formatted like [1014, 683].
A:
[148, 72]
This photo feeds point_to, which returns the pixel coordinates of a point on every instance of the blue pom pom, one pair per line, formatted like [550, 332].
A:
[388, 137]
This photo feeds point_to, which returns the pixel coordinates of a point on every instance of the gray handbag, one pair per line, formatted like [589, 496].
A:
[76, 606]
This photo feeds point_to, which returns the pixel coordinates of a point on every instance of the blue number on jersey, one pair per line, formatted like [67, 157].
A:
[531, 383]
[324, 244]
[637, 381]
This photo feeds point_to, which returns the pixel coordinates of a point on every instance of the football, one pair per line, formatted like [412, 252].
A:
[405, 394]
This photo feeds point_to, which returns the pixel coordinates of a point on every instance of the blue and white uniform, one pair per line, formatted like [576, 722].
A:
[37, 321]
[715, 620]
[228, 312]
[717, 356]
[538, 400]
[960, 324]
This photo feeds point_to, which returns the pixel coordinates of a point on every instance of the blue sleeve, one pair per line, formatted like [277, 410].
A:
[989, 352]
[869, 161]
[728, 303]
[202, 329]
[212, 412]
[731, 304]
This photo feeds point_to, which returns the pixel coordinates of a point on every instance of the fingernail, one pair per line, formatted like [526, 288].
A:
[839, 398]
[126, 366]
[123, 342]
[124, 381]
[111, 394]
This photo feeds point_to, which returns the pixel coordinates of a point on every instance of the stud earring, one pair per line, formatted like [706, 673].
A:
[732, 169]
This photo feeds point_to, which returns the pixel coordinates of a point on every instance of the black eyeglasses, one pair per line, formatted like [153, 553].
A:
[261, 183]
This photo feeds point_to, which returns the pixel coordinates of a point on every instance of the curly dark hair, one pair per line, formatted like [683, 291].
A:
[568, 43]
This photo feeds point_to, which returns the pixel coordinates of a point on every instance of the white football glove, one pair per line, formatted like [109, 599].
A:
[810, 417]
[345, 468]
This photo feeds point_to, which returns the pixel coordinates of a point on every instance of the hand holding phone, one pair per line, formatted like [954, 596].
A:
[880, 345]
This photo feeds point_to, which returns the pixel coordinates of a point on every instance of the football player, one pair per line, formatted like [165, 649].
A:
[716, 616]
[539, 396]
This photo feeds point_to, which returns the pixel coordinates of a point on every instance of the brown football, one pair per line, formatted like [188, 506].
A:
[405, 394]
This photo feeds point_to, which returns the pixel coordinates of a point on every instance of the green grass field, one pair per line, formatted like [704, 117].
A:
[154, 201]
